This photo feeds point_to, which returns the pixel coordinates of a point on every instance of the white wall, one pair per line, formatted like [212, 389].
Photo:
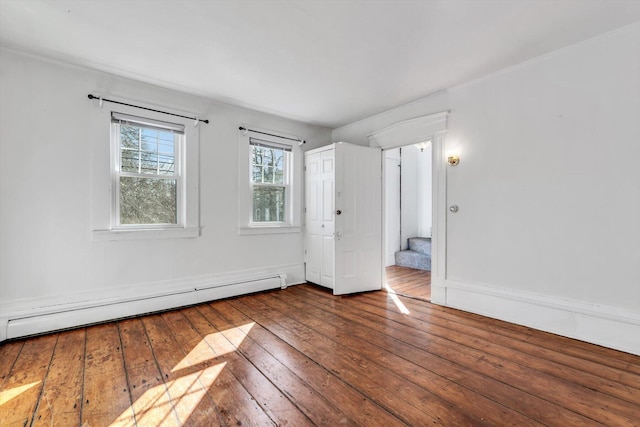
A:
[416, 193]
[424, 191]
[408, 195]
[549, 183]
[51, 138]
[548, 186]
[392, 205]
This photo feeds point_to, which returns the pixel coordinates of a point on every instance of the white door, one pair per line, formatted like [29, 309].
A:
[319, 219]
[328, 220]
[313, 215]
[358, 219]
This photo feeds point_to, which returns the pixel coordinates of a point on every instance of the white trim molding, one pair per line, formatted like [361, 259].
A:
[151, 233]
[411, 131]
[595, 323]
[432, 127]
[40, 315]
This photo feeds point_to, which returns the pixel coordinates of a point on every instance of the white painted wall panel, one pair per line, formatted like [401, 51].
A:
[54, 146]
[548, 188]
[549, 183]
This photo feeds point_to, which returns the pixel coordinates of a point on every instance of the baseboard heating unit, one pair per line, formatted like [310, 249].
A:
[41, 318]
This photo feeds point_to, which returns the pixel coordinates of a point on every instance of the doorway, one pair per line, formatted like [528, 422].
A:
[408, 219]
[432, 127]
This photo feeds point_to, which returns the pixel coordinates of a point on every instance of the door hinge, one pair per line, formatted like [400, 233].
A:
[305, 210]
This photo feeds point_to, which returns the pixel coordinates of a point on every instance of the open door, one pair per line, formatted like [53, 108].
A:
[319, 216]
[358, 219]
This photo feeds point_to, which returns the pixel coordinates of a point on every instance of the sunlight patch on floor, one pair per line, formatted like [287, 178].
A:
[403, 309]
[156, 405]
[221, 343]
[7, 395]
[179, 397]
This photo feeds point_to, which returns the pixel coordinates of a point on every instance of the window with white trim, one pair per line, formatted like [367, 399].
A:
[147, 180]
[270, 178]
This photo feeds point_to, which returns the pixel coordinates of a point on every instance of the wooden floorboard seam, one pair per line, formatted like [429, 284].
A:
[126, 372]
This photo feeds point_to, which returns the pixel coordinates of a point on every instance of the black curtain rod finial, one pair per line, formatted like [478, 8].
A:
[90, 96]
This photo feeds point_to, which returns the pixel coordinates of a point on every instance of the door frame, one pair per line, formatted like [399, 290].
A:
[431, 127]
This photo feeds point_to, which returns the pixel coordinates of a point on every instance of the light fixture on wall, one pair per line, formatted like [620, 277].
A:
[421, 145]
[453, 159]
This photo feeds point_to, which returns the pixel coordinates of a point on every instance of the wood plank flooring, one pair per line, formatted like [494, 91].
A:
[302, 357]
[409, 282]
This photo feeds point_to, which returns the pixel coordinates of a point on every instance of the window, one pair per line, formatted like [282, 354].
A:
[269, 182]
[270, 193]
[147, 179]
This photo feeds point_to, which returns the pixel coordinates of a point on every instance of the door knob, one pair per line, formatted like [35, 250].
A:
[338, 212]
[453, 208]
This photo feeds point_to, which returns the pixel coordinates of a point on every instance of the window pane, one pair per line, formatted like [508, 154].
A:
[166, 164]
[268, 204]
[256, 176]
[147, 142]
[147, 201]
[166, 145]
[268, 175]
[129, 137]
[148, 162]
[268, 165]
[129, 160]
[278, 176]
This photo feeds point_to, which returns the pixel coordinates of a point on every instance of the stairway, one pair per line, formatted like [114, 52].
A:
[417, 256]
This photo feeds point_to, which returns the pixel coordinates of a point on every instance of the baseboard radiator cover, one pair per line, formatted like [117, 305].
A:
[66, 316]
[597, 324]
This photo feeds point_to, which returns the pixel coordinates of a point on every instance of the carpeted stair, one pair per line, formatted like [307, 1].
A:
[417, 256]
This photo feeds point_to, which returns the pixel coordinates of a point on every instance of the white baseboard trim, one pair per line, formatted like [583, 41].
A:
[40, 315]
[603, 325]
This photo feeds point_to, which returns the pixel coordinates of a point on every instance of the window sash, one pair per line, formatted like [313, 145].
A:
[285, 185]
[175, 176]
[286, 208]
[286, 159]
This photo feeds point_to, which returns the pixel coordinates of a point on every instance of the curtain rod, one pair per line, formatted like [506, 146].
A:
[301, 141]
[90, 96]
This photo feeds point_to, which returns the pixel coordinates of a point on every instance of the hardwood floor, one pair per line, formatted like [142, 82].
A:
[409, 282]
[302, 356]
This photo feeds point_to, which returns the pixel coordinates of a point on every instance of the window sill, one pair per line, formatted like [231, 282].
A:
[151, 233]
[269, 229]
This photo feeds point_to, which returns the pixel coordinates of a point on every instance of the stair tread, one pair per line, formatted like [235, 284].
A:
[413, 259]
[420, 244]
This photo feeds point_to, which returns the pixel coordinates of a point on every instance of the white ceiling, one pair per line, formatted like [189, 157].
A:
[322, 62]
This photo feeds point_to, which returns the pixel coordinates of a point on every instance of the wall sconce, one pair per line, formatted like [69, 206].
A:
[453, 160]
